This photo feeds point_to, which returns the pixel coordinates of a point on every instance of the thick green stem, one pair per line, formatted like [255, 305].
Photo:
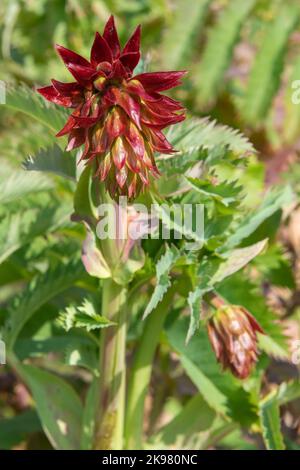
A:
[141, 372]
[110, 414]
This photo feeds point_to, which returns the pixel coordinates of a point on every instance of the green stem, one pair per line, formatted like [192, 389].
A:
[110, 414]
[141, 371]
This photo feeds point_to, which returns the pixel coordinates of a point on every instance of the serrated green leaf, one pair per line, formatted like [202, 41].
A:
[269, 413]
[275, 199]
[219, 49]
[163, 282]
[288, 392]
[19, 229]
[194, 134]
[18, 184]
[271, 347]
[265, 75]
[183, 220]
[225, 193]
[202, 140]
[236, 260]
[29, 102]
[38, 292]
[52, 160]
[270, 422]
[195, 304]
[83, 316]
[180, 35]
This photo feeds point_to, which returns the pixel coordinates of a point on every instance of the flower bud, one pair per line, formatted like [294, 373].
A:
[233, 335]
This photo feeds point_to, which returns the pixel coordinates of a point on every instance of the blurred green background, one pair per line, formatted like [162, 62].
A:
[242, 58]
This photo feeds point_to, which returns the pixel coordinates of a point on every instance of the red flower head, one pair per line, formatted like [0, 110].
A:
[232, 333]
[117, 117]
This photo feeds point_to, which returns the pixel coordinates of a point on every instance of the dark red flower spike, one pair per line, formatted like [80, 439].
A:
[118, 118]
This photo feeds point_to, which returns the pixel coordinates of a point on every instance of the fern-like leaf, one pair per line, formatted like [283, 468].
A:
[83, 316]
[17, 184]
[19, 229]
[163, 282]
[38, 292]
[270, 422]
[52, 160]
[218, 52]
[28, 101]
[265, 75]
[195, 134]
[180, 35]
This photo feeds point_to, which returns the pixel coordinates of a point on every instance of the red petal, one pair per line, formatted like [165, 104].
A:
[162, 122]
[70, 57]
[48, 92]
[214, 340]
[101, 140]
[132, 161]
[104, 167]
[68, 89]
[133, 187]
[116, 123]
[51, 94]
[133, 43]
[119, 153]
[130, 106]
[254, 323]
[73, 91]
[100, 51]
[159, 81]
[159, 141]
[85, 154]
[82, 74]
[76, 138]
[121, 176]
[164, 104]
[136, 140]
[143, 174]
[135, 87]
[86, 122]
[111, 36]
[67, 127]
[130, 60]
[118, 70]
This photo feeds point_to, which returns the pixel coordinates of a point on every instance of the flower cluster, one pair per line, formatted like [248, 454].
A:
[116, 116]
